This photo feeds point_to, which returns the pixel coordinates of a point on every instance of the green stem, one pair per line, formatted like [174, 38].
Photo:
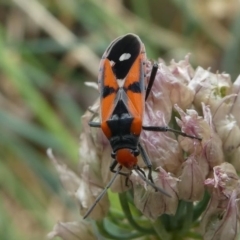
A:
[117, 219]
[107, 234]
[160, 230]
[187, 218]
[127, 212]
[201, 206]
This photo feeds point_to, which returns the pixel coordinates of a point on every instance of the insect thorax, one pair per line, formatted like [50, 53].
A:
[120, 125]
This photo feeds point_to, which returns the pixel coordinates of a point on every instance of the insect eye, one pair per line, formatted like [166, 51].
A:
[135, 152]
[113, 155]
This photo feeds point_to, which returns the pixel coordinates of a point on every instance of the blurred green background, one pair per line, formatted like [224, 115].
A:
[48, 49]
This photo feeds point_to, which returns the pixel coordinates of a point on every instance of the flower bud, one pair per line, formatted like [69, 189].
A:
[191, 184]
[163, 150]
[190, 124]
[236, 100]
[87, 193]
[182, 70]
[209, 149]
[170, 87]
[210, 88]
[85, 189]
[173, 80]
[81, 230]
[156, 143]
[158, 102]
[153, 203]
[224, 180]
[69, 179]
[221, 222]
[229, 132]
[234, 158]
[220, 219]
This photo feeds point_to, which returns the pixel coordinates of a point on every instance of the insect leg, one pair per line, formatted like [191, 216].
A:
[90, 110]
[139, 172]
[151, 79]
[167, 129]
[94, 124]
[127, 180]
[143, 173]
[113, 165]
[91, 123]
[146, 161]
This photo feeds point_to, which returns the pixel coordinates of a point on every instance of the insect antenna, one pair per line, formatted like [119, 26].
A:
[103, 192]
[151, 80]
[141, 175]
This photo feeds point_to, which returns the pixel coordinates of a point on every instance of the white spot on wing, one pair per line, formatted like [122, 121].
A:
[120, 82]
[124, 56]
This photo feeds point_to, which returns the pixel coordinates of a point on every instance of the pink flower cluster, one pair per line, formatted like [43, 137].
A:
[199, 103]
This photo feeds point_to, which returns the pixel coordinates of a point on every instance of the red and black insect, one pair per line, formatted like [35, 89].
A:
[123, 92]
